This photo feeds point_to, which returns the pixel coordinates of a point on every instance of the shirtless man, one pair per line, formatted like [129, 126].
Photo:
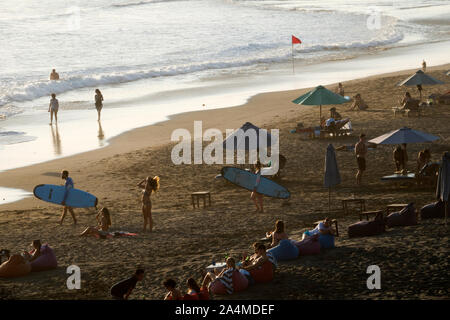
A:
[54, 75]
[360, 152]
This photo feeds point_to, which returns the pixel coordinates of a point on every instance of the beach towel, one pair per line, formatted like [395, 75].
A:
[406, 217]
[433, 210]
[115, 234]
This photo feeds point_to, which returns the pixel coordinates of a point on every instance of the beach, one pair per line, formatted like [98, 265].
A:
[413, 260]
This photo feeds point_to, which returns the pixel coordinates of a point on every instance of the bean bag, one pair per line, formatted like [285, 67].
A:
[204, 294]
[326, 241]
[433, 210]
[240, 283]
[46, 261]
[193, 296]
[308, 246]
[16, 266]
[366, 228]
[263, 274]
[406, 217]
[285, 250]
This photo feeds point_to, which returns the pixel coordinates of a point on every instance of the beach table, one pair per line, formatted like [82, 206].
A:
[395, 207]
[200, 194]
[332, 221]
[397, 177]
[217, 265]
[358, 201]
[370, 213]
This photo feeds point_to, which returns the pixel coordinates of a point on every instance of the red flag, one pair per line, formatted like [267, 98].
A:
[296, 40]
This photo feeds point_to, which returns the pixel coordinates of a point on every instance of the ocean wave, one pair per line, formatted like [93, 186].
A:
[14, 137]
[139, 3]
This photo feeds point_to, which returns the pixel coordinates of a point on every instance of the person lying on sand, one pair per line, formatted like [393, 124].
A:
[148, 185]
[103, 223]
[212, 276]
[35, 253]
[323, 227]
[278, 234]
[255, 196]
[358, 103]
[123, 289]
[174, 293]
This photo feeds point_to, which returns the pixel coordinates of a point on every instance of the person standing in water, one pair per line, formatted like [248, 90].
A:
[54, 75]
[98, 102]
[255, 196]
[148, 185]
[68, 185]
[53, 108]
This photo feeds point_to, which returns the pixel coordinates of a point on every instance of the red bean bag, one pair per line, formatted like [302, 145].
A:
[433, 210]
[193, 296]
[366, 228]
[16, 266]
[406, 217]
[240, 283]
[204, 294]
[263, 274]
[46, 261]
[308, 246]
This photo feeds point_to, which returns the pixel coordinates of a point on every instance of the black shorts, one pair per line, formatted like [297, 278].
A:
[361, 163]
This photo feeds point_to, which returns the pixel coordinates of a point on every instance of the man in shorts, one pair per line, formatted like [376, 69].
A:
[361, 152]
[123, 289]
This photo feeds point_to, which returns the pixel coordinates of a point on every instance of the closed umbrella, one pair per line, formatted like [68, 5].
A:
[419, 79]
[443, 184]
[238, 140]
[320, 96]
[332, 176]
[404, 135]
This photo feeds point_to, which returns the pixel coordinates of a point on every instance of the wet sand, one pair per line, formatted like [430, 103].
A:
[413, 260]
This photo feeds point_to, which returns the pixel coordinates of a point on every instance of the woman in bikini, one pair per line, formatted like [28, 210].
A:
[98, 102]
[103, 223]
[148, 185]
[278, 234]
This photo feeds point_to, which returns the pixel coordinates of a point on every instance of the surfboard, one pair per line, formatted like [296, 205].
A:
[247, 180]
[55, 194]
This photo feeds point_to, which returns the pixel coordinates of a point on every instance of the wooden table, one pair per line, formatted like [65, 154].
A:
[332, 221]
[200, 194]
[359, 201]
[395, 207]
[370, 213]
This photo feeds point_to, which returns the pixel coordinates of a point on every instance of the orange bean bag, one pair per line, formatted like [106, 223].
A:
[263, 274]
[16, 266]
[240, 283]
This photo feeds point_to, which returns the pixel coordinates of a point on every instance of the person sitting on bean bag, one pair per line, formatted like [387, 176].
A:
[15, 266]
[278, 234]
[174, 293]
[35, 253]
[229, 280]
[258, 268]
[322, 228]
[195, 292]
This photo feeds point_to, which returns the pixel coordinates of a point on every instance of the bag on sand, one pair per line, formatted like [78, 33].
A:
[367, 228]
[433, 210]
[406, 217]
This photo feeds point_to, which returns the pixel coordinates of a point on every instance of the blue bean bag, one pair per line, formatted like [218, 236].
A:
[326, 241]
[285, 250]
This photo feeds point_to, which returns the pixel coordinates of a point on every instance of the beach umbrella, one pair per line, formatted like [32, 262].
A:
[238, 140]
[419, 79]
[320, 96]
[443, 183]
[404, 135]
[332, 176]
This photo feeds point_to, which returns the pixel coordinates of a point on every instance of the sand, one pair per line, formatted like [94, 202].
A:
[413, 260]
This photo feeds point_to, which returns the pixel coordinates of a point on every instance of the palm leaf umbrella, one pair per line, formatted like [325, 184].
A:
[332, 176]
[419, 79]
[443, 184]
[320, 96]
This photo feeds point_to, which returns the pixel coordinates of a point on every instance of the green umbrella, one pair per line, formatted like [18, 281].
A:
[318, 97]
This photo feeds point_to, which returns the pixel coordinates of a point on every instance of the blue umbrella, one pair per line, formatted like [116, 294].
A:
[443, 183]
[404, 135]
[332, 176]
[239, 141]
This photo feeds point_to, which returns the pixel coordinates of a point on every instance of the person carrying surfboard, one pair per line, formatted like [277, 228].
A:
[68, 185]
[148, 185]
[255, 196]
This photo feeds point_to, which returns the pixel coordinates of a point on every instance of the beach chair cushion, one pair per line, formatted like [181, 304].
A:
[46, 261]
[16, 266]
[285, 250]
[366, 228]
[406, 217]
[326, 241]
[240, 283]
[433, 210]
[308, 246]
[263, 274]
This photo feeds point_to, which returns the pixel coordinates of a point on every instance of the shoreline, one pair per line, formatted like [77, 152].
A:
[158, 134]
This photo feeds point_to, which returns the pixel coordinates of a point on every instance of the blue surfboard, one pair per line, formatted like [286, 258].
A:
[55, 194]
[247, 180]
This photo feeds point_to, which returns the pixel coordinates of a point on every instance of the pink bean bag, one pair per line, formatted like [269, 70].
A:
[263, 274]
[308, 246]
[240, 283]
[46, 261]
[16, 266]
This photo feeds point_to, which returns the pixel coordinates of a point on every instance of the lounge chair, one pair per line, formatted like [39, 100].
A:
[411, 107]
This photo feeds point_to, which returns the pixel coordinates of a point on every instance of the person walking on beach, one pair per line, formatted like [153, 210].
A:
[68, 185]
[255, 196]
[340, 89]
[361, 152]
[53, 108]
[148, 185]
[54, 75]
[123, 289]
[98, 102]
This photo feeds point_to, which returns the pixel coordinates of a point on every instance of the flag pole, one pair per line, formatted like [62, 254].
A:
[293, 68]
